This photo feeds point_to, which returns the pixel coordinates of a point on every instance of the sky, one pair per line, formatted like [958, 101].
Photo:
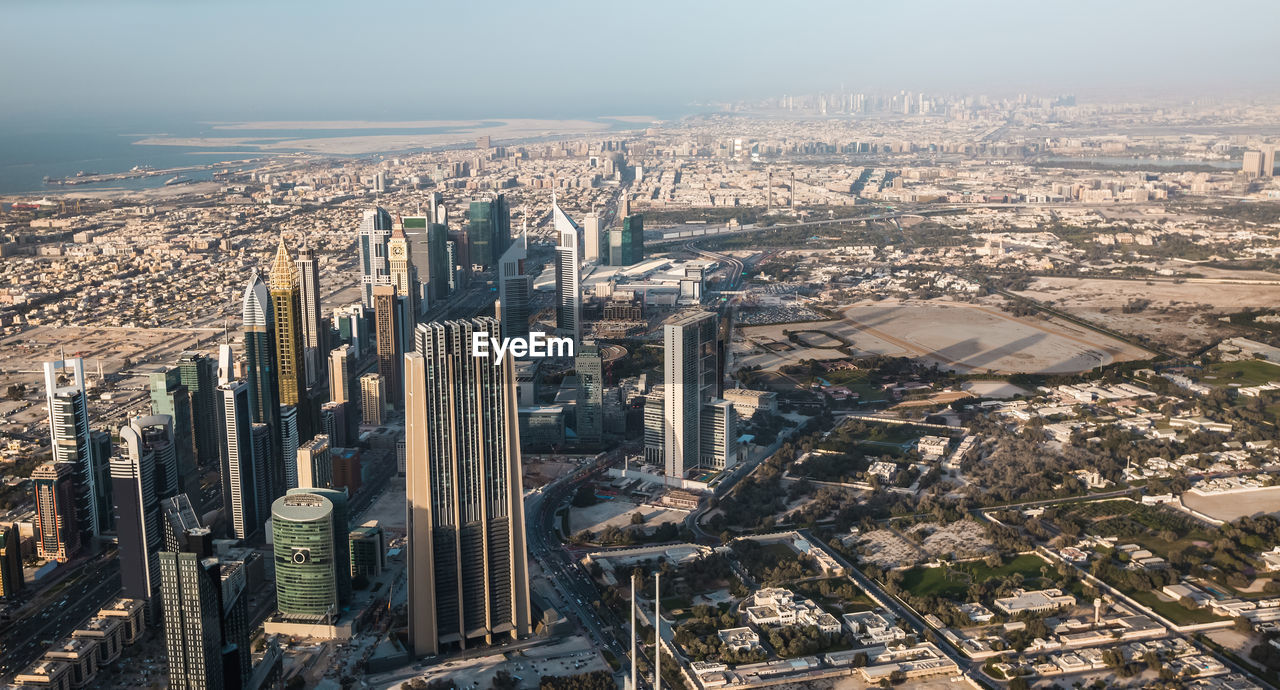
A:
[375, 59]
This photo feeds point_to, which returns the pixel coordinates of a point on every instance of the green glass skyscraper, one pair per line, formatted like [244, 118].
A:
[488, 230]
[305, 557]
[626, 244]
[199, 374]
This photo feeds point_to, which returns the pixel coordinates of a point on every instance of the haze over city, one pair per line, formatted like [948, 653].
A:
[591, 346]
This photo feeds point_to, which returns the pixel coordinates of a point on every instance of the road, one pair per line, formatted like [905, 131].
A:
[571, 582]
[23, 641]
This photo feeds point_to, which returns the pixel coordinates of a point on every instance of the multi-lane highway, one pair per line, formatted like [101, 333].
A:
[24, 640]
[571, 583]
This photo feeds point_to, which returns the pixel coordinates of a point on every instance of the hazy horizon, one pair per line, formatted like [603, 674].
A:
[144, 61]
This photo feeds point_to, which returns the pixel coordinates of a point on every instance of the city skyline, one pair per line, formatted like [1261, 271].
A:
[893, 346]
[929, 55]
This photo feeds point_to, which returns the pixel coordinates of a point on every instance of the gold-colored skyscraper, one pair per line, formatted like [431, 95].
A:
[286, 302]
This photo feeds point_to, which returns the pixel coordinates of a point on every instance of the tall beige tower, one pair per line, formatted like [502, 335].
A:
[468, 565]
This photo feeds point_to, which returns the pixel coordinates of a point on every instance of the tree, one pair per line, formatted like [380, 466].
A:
[637, 518]
[503, 680]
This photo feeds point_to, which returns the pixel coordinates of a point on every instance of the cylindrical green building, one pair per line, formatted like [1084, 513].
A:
[305, 558]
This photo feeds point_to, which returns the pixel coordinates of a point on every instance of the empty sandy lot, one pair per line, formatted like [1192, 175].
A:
[617, 513]
[1235, 504]
[961, 337]
[1181, 316]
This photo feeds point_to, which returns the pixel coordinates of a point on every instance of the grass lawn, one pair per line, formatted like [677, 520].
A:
[1248, 372]
[926, 581]
[1174, 611]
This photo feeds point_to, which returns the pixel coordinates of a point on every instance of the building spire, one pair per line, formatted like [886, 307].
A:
[284, 274]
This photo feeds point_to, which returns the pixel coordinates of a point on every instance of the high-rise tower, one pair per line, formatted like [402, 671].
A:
[170, 397]
[69, 434]
[468, 573]
[589, 365]
[260, 360]
[387, 332]
[691, 383]
[568, 287]
[341, 368]
[239, 475]
[488, 230]
[429, 255]
[286, 302]
[514, 289]
[190, 588]
[403, 275]
[375, 229]
[314, 348]
[141, 476]
[591, 238]
[199, 374]
[58, 535]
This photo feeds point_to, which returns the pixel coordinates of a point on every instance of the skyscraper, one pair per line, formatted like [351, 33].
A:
[69, 435]
[286, 302]
[10, 561]
[315, 467]
[375, 228]
[58, 538]
[101, 443]
[468, 574]
[429, 255]
[337, 496]
[387, 331]
[488, 230]
[403, 274]
[568, 287]
[341, 366]
[170, 397]
[306, 563]
[190, 588]
[140, 477]
[654, 426]
[260, 360]
[314, 331]
[514, 289]
[626, 244]
[690, 374]
[1252, 165]
[199, 374]
[239, 475]
[373, 398]
[289, 441]
[338, 422]
[349, 321]
[591, 238]
[589, 365]
[182, 528]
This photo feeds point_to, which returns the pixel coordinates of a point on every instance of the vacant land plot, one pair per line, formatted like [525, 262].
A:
[959, 336]
[956, 540]
[1247, 372]
[617, 513]
[953, 580]
[1179, 316]
[1233, 505]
